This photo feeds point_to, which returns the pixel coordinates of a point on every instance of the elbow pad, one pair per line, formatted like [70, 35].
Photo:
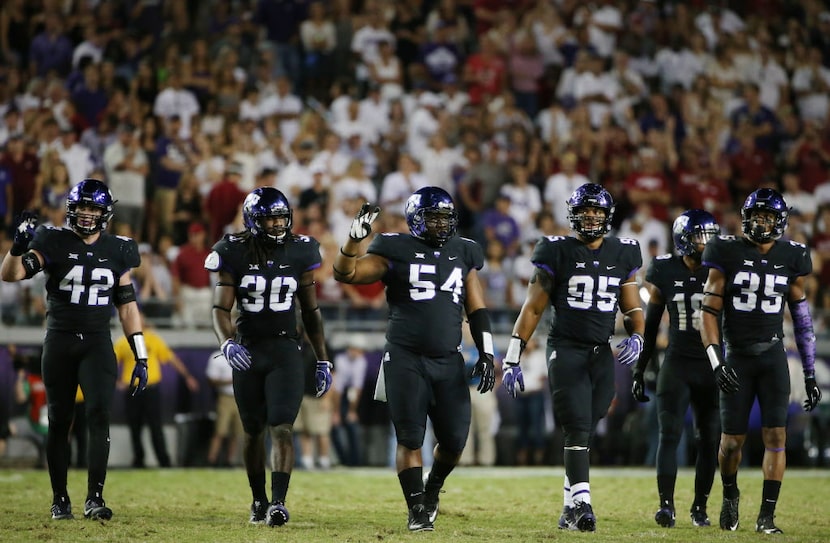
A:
[805, 337]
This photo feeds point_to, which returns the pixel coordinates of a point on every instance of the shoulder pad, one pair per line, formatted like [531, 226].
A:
[213, 261]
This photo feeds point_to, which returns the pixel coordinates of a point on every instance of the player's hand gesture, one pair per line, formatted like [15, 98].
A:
[23, 232]
[362, 223]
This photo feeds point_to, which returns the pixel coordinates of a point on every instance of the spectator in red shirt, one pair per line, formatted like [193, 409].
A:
[707, 192]
[23, 168]
[750, 166]
[485, 72]
[810, 155]
[191, 281]
[223, 201]
[648, 185]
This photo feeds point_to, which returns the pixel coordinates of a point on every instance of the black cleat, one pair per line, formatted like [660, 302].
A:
[566, 519]
[584, 518]
[62, 509]
[766, 525]
[419, 519]
[665, 516]
[431, 500]
[96, 509]
[277, 514]
[729, 514]
[699, 516]
[259, 510]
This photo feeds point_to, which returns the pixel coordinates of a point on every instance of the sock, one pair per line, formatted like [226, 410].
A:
[665, 487]
[412, 484]
[581, 492]
[567, 498]
[325, 462]
[257, 483]
[730, 486]
[307, 462]
[439, 472]
[769, 497]
[279, 485]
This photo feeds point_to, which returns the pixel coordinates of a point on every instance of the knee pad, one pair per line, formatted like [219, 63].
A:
[576, 438]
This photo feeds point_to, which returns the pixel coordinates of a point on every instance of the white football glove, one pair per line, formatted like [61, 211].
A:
[362, 223]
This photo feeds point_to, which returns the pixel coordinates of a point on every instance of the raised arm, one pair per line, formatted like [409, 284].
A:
[351, 265]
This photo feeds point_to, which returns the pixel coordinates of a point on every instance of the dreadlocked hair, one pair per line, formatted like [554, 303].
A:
[260, 249]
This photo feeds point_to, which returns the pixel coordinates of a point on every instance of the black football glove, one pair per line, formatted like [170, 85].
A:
[727, 379]
[638, 387]
[813, 392]
[23, 232]
[484, 368]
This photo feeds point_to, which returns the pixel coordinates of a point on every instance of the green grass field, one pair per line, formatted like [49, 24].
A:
[488, 505]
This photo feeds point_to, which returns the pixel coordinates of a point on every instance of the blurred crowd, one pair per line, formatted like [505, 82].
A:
[184, 106]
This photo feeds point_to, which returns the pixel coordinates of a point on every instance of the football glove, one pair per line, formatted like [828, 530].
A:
[484, 369]
[23, 232]
[513, 379]
[727, 379]
[813, 392]
[323, 377]
[140, 375]
[631, 347]
[362, 223]
[638, 387]
[237, 355]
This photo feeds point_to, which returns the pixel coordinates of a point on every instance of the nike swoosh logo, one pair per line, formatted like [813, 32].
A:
[453, 257]
[102, 259]
[283, 266]
[610, 267]
[778, 266]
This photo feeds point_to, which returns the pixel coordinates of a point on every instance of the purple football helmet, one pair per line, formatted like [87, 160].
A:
[692, 228]
[431, 215]
[590, 195]
[265, 202]
[89, 192]
[769, 201]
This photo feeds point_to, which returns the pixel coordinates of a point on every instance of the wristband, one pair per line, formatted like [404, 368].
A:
[715, 356]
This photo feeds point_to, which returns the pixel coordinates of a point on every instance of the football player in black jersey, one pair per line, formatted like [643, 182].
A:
[676, 283]
[431, 282]
[751, 278]
[585, 278]
[263, 270]
[89, 272]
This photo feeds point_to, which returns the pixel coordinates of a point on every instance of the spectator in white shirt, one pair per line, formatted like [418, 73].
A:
[126, 165]
[286, 107]
[399, 185]
[560, 186]
[76, 157]
[176, 100]
[423, 125]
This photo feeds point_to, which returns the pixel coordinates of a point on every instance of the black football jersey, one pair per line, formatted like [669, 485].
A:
[586, 284]
[756, 286]
[425, 290]
[266, 296]
[682, 291]
[81, 277]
